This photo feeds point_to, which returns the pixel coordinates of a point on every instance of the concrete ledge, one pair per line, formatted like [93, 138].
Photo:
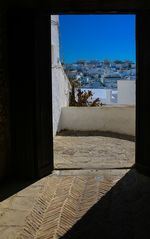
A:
[118, 119]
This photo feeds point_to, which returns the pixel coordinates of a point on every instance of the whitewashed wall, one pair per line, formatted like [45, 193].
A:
[60, 83]
[126, 92]
[116, 119]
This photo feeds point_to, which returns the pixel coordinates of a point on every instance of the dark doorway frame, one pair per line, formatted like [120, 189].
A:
[38, 160]
[30, 99]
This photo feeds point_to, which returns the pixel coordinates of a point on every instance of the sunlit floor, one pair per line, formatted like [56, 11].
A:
[106, 204]
[52, 205]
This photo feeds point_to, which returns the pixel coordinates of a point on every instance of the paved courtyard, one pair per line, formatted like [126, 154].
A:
[88, 203]
[93, 152]
[106, 204]
[51, 206]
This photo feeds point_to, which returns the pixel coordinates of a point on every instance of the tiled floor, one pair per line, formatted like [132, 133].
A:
[93, 152]
[49, 207]
[100, 205]
[82, 203]
[14, 209]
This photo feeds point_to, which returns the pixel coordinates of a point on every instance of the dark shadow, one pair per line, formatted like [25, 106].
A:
[96, 133]
[11, 186]
[92, 168]
[123, 213]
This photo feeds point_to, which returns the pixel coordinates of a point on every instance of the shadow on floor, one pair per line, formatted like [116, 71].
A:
[11, 186]
[123, 213]
[96, 133]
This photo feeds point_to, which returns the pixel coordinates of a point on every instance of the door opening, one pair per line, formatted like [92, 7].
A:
[94, 90]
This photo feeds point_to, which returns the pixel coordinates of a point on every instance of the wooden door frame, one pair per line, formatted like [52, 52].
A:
[28, 34]
[143, 53]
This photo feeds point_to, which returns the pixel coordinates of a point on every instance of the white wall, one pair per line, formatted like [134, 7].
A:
[60, 83]
[116, 119]
[126, 92]
[60, 95]
[55, 38]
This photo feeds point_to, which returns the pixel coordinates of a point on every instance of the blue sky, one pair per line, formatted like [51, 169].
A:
[97, 37]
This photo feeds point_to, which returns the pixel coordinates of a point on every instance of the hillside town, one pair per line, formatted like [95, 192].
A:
[97, 74]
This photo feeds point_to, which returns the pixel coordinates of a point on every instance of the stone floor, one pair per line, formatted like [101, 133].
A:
[88, 203]
[105, 204]
[14, 209]
[93, 152]
[40, 208]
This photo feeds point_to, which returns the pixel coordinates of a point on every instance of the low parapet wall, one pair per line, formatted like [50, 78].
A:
[116, 119]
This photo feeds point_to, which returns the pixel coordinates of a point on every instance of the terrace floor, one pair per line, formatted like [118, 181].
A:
[93, 152]
[82, 203]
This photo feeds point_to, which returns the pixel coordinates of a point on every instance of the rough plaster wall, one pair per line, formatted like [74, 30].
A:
[4, 122]
[117, 119]
[55, 37]
[60, 83]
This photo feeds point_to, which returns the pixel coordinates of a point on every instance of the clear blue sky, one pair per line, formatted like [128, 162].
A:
[97, 37]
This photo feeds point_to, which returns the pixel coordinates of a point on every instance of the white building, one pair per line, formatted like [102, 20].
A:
[60, 82]
[126, 92]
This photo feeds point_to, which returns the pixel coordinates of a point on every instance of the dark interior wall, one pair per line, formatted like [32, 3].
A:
[43, 87]
[82, 5]
[4, 103]
[30, 92]
[25, 94]
[97, 6]
[20, 34]
[143, 92]
[25, 100]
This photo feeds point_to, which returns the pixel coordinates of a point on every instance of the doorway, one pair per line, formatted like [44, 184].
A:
[102, 136]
